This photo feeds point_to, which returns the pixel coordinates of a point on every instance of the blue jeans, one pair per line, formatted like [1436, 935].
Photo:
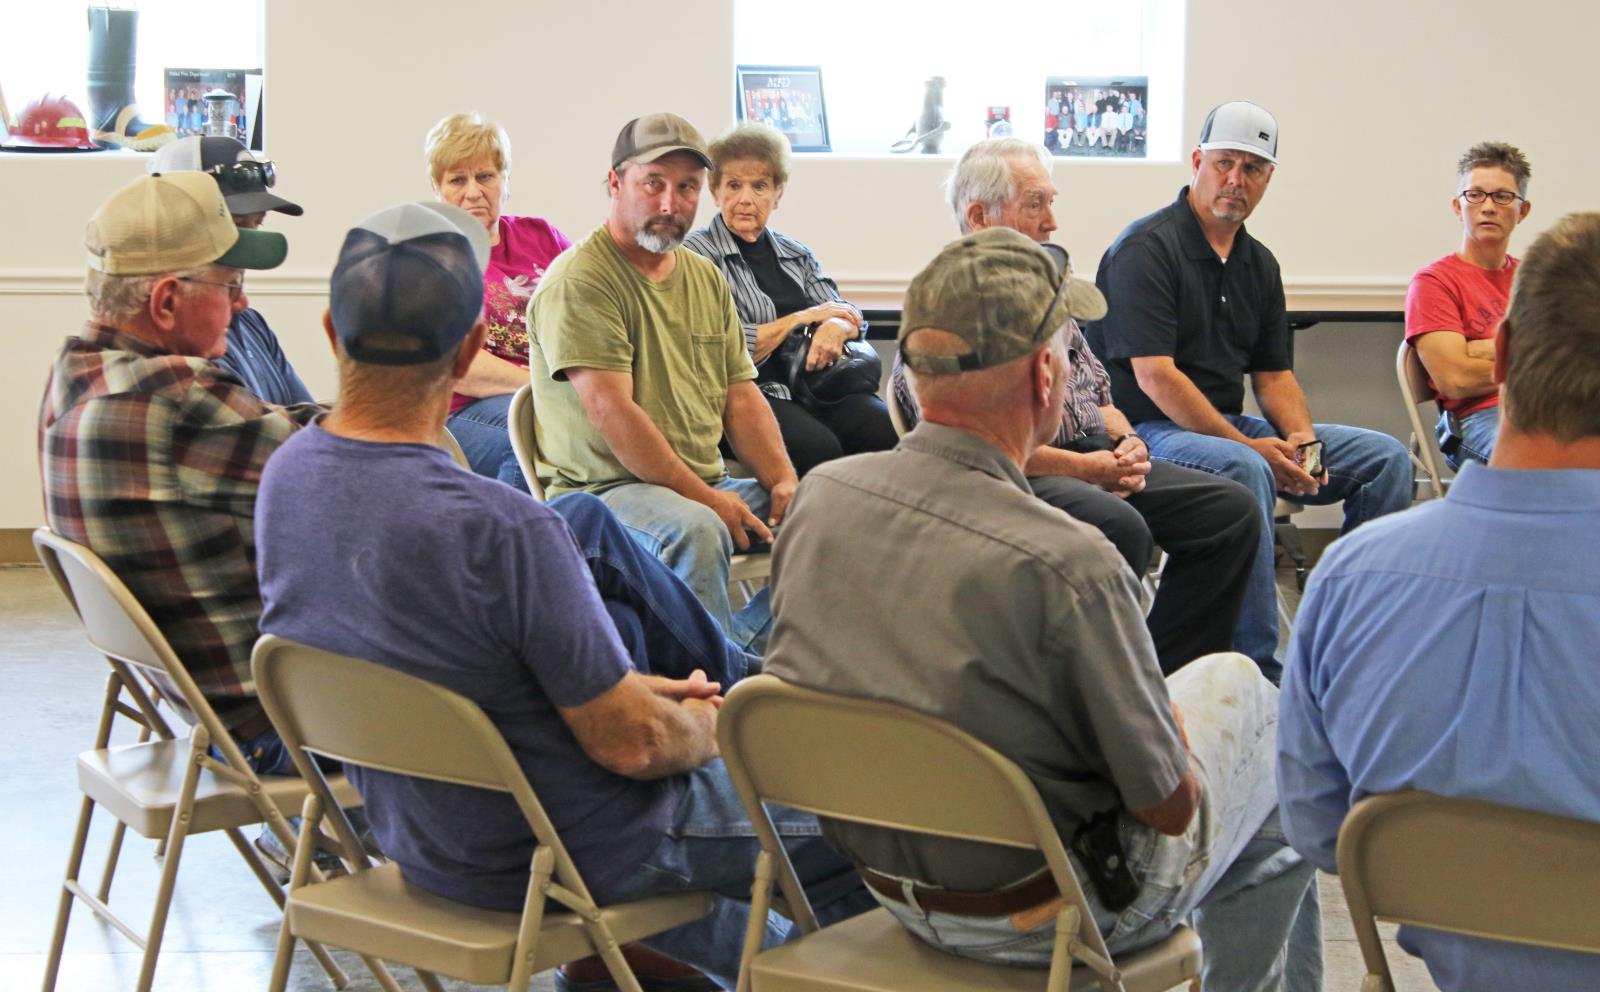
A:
[266, 754]
[711, 845]
[480, 429]
[694, 543]
[1478, 433]
[1232, 874]
[1370, 471]
[676, 634]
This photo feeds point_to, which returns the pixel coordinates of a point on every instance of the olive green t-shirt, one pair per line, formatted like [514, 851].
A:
[679, 338]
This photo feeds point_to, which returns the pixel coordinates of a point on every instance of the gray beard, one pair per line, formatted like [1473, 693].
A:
[660, 244]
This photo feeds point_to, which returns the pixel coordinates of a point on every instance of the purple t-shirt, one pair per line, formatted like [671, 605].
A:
[391, 553]
[516, 264]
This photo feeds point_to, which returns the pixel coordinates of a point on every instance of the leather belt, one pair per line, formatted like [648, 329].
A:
[1001, 902]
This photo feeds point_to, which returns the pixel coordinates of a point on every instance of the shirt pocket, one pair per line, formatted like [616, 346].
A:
[709, 358]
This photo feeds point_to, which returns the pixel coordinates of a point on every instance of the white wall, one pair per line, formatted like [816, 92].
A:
[1375, 99]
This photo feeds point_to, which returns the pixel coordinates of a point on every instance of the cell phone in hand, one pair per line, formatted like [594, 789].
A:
[1309, 455]
[757, 546]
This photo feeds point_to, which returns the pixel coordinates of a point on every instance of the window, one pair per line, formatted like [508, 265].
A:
[44, 47]
[876, 56]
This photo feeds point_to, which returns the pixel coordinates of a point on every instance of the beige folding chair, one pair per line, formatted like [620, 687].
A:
[165, 787]
[1415, 391]
[897, 417]
[803, 749]
[365, 714]
[746, 573]
[523, 442]
[1467, 867]
[448, 442]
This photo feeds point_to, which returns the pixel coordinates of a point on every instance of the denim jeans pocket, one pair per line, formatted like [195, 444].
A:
[993, 938]
[1150, 916]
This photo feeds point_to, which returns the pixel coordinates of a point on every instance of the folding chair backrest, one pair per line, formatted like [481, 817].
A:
[1470, 867]
[448, 442]
[1415, 391]
[118, 626]
[896, 415]
[115, 622]
[873, 762]
[524, 441]
[885, 765]
[373, 716]
[365, 714]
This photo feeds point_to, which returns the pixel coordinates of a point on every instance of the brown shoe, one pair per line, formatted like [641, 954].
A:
[656, 973]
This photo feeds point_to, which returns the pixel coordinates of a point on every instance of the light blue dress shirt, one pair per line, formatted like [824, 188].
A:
[1454, 648]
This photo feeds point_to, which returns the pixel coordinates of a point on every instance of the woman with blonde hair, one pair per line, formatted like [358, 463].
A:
[469, 164]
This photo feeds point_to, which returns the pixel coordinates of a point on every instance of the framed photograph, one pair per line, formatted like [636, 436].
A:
[789, 97]
[184, 98]
[1096, 116]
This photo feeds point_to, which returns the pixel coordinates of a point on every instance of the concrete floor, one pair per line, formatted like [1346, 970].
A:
[223, 928]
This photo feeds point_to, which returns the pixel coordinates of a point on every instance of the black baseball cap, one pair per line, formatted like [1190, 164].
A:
[243, 177]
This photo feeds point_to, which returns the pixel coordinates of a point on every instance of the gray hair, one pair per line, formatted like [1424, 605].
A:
[1552, 351]
[119, 299]
[983, 175]
[1497, 155]
[752, 142]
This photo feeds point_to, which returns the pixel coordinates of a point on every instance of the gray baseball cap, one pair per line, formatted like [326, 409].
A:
[1241, 126]
[1000, 292]
[647, 138]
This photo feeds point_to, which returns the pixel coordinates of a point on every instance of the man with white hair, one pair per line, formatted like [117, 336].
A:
[151, 454]
[1096, 468]
[639, 367]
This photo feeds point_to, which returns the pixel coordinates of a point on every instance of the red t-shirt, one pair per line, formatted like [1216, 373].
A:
[527, 247]
[1453, 295]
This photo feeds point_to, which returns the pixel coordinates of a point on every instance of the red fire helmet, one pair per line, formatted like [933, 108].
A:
[50, 123]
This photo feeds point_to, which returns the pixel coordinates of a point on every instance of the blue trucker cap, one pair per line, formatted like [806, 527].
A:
[408, 286]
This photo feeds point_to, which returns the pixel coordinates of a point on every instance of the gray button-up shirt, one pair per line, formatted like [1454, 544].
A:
[931, 576]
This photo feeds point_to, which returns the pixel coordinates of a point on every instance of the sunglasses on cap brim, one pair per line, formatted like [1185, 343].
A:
[244, 176]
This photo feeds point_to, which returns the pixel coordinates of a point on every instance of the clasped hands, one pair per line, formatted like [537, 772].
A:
[1283, 455]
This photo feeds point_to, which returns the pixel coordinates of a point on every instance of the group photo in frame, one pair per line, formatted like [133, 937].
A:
[1096, 116]
[788, 97]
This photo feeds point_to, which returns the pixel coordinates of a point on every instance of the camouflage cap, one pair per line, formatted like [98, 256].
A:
[1000, 292]
[647, 138]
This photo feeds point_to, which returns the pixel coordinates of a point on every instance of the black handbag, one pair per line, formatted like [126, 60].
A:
[858, 369]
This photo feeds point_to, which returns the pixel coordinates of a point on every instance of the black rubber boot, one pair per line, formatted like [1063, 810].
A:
[113, 40]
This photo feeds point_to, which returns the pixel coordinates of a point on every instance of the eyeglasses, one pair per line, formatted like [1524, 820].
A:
[244, 176]
[234, 288]
[1504, 197]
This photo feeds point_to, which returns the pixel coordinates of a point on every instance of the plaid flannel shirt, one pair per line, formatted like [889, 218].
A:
[153, 461]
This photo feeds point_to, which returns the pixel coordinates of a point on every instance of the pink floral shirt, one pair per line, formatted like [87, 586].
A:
[527, 247]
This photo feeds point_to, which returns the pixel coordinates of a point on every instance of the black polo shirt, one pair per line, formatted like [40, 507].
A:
[1170, 295]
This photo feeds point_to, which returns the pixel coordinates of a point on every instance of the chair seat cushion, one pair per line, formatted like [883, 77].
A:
[140, 784]
[378, 912]
[874, 953]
